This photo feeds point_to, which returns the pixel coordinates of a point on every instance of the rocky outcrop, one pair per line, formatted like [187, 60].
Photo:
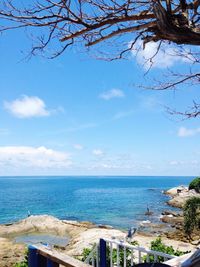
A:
[171, 219]
[80, 234]
[179, 195]
[44, 224]
[172, 213]
[175, 190]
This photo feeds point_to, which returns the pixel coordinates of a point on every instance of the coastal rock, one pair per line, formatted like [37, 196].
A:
[176, 190]
[180, 195]
[173, 213]
[195, 242]
[81, 234]
[44, 224]
[105, 226]
[179, 234]
[171, 219]
[88, 238]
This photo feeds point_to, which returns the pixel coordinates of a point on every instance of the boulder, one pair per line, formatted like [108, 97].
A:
[171, 212]
[176, 190]
[180, 195]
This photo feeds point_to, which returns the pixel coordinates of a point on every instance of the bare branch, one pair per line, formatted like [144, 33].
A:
[64, 23]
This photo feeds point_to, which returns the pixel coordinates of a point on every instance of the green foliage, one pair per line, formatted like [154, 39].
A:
[191, 213]
[195, 184]
[157, 245]
[21, 264]
[24, 263]
[86, 252]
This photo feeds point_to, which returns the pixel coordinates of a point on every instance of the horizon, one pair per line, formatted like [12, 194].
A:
[96, 176]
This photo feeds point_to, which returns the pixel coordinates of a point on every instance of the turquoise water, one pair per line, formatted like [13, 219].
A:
[117, 201]
[42, 238]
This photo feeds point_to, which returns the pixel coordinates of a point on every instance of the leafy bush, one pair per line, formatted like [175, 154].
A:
[191, 213]
[21, 264]
[86, 252]
[157, 245]
[195, 184]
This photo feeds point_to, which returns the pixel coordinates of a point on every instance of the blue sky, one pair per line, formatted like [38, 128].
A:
[76, 115]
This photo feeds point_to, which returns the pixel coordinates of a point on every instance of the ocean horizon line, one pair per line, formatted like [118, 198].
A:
[92, 176]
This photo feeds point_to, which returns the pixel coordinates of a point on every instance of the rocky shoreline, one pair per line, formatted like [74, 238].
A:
[84, 234]
[81, 235]
[179, 195]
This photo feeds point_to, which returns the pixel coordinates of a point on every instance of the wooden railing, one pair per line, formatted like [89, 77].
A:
[43, 256]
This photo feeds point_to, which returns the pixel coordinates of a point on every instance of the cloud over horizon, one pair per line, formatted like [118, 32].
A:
[27, 107]
[20, 157]
[113, 93]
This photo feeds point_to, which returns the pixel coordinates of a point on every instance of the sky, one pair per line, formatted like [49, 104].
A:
[77, 115]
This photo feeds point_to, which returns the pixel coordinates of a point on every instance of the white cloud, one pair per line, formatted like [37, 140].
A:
[123, 114]
[97, 152]
[27, 107]
[33, 157]
[119, 163]
[113, 93]
[78, 146]
[183, 163]
[175, 163]
[184, 132]
[149, 56]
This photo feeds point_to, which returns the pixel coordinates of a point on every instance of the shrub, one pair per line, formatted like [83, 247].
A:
[21, 264]
[195, 184]
[191, 213]
[86, 252]
[157, 245]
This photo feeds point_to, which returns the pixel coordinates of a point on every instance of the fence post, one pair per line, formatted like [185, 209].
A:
[32, 257]
[102, 253]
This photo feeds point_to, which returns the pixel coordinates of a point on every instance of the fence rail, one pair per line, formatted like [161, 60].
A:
[108, 253]
[114, 253]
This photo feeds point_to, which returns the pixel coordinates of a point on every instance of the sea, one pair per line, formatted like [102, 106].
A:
[119, 201]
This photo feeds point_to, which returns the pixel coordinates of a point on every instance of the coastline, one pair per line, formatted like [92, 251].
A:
[178, 197]
[81, 235]
[84, 234]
